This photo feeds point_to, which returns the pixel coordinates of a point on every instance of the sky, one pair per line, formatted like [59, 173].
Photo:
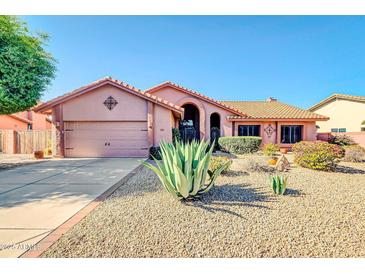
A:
[299, 60]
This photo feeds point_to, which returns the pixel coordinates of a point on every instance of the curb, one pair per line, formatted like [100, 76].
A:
[57, 233]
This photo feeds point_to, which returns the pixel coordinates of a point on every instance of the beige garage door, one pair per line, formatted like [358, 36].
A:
[106, 139]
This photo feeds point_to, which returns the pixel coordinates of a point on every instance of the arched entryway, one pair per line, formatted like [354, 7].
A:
[190, 126]
[215, 126]
[215, 120]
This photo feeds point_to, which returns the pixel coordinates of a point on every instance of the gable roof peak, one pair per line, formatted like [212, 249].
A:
[102, 82]
[195, 94]
[335, 96]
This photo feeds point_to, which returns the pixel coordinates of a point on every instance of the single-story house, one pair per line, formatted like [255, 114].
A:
[346, 113]
[109, 118]
[25, 120]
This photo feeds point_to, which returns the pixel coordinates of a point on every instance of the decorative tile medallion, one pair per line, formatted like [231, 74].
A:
[110, 103]
[269, 130]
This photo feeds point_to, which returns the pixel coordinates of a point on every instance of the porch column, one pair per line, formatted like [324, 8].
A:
[150, 109]
[57, 118]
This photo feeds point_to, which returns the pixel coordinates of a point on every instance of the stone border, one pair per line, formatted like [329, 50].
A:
[51, 238]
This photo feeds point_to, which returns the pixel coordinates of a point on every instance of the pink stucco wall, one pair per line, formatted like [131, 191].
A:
[163, 123]
[358, 137]
[90, 107]
[8, 122]
[205, 110]
[39, 121]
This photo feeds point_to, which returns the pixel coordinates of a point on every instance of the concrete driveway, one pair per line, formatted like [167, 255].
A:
[36, 199]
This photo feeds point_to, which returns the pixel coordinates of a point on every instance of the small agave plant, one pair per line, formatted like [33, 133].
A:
[278, 183]
[183, 170]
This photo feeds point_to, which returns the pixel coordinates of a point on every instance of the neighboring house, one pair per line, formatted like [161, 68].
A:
[109, 118]
[25, 120]
[21, 132]
[346, 113]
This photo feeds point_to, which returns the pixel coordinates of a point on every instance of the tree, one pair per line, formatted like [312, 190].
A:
[26, 68]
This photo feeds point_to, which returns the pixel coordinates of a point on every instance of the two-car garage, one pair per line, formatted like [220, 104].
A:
[108, 118]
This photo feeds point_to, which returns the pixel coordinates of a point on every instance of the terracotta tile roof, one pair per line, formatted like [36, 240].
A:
[338, 96]
[104, 81]
[271, 110]
[20, 118]
[196, 94]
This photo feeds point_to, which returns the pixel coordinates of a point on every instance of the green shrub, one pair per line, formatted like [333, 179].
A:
[354, 153]
[240, 144]
[341, 140]
[278, 184]
[183, 170]
[155, 153]
[216, 162]
[317, 155]
[176, 137]
[270, 149]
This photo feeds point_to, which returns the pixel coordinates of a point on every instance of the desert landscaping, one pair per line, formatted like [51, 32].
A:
[319, 216]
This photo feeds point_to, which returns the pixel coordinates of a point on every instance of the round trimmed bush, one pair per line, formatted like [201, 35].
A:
[240, 144]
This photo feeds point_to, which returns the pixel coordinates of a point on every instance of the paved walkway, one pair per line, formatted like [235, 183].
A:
[36, 199]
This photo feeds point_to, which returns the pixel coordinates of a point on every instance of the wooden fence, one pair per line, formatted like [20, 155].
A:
[6, 141]
[26, 141]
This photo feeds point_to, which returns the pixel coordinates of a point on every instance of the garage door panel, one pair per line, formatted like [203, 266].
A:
[106, 125]
[102, 144]
[110, 135]
[106, 139]
[106, 153]
[128, 144]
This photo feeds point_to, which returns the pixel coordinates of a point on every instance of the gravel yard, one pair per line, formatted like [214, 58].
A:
[322, 215]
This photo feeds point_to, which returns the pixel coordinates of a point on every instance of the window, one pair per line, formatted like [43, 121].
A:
[338, 129]
[249, 130]
[291, 134]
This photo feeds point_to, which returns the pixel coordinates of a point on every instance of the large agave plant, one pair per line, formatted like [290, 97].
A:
[183, 169]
